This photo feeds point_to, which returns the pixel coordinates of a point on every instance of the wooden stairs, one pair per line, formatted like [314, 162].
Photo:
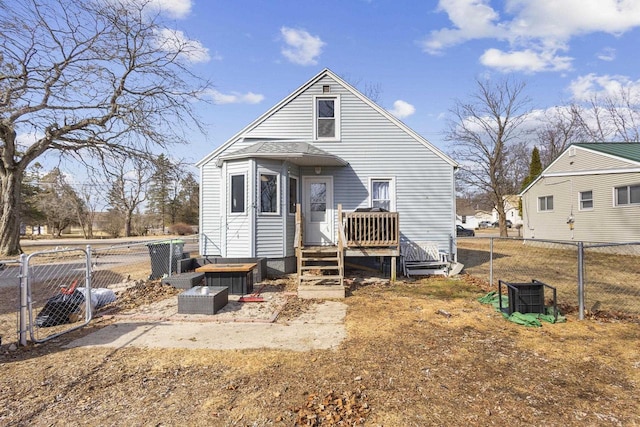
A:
[320, 272]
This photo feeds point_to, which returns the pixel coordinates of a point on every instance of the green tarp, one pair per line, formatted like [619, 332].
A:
[527, 319]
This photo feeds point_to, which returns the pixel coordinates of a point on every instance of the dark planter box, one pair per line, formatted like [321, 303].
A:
[194, 301]
[238, 282]
[527, 297]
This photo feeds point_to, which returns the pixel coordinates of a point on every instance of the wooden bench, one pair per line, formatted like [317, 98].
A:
[195, 301]
[237, 277]
[423, 258]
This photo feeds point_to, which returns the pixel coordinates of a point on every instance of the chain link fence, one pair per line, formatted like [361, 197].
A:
[57, 292]
[52, 292]
[591, 277]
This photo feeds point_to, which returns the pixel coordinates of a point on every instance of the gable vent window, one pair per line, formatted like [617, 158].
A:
[327, 118]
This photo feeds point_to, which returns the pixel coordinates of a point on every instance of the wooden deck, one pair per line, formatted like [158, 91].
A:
[360, 234]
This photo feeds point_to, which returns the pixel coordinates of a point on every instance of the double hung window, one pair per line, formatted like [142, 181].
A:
[545, 203]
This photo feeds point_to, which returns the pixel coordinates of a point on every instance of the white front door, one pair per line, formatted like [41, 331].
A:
[318, 210]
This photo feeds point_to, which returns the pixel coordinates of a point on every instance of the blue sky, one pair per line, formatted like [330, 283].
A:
[422, 55]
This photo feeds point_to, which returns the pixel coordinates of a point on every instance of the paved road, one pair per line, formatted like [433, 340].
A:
[108, 253]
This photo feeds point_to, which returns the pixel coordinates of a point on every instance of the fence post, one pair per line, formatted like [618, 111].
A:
[170, 255]
[24, 281]
[87, 280]
[491, 261]
[581, 280]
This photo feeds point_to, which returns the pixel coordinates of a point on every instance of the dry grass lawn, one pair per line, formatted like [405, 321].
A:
[417, 353]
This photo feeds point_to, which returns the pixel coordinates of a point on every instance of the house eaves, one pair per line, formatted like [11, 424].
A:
[297, 152]
[629, 152]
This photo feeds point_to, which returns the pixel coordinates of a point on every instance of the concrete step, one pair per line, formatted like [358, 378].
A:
[321, 291]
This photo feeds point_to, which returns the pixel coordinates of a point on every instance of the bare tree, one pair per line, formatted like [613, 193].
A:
[129, 179]
[614, 117]
[487, 139]
[61, 205]
[561, 128]
[79, 75]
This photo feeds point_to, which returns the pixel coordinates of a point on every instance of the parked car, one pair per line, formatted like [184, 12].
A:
[464, 232]
[485, 224]
[497, 224]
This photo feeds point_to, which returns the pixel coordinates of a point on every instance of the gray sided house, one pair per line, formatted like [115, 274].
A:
[591, 192]
[325, 147]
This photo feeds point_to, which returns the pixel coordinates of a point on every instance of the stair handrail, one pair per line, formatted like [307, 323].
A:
[297, 239]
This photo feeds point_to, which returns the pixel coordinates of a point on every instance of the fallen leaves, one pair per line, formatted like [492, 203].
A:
[332, 408]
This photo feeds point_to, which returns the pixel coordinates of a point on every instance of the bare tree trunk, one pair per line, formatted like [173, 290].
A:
[10, 218]
[127, 223]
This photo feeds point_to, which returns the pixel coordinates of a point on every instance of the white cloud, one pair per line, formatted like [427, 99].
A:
[528, 61]
[402, 109]
[176, 41]
[591, 86]
[607, 54]
[174, 8]
[472, 19]
[234, 97]
[539, 28]
[302, 48]
[27, 139]
[177, 9]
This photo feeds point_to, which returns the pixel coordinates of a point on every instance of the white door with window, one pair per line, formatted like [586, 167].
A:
[318, 210]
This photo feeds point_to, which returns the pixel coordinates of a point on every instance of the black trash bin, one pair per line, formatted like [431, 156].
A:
[164, 255]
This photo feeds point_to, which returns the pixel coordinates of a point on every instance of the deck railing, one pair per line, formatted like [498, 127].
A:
[371, 229]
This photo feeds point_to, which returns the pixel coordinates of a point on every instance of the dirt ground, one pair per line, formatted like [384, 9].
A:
[417, 353]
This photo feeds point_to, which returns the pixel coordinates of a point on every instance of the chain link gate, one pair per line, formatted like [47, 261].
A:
[55, 293]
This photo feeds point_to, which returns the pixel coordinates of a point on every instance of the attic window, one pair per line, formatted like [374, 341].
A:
[326, 89]
[327, 118]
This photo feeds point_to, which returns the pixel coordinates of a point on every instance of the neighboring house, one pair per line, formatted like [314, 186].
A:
[468, 216]
[511, 209]
[465, 214]
[591, 192]
[324, 146]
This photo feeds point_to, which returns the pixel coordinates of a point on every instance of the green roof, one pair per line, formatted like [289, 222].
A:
[625, 150]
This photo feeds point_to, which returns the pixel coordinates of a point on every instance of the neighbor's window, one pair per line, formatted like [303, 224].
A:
[628, 195]
[293, 194]
[327, 111]
[586, 200]
[545, 203]
[268, 193]
[381, 194]
[237, 193]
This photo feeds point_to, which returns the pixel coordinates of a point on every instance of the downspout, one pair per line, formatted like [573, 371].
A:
[284, 208]
[253, 206]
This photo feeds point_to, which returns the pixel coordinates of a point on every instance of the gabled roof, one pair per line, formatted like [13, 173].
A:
[624, 150]
[327, 73]
[297, 152]
[628, 151]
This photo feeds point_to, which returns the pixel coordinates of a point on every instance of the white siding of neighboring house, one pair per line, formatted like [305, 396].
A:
[604, 223]
[585, 161]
